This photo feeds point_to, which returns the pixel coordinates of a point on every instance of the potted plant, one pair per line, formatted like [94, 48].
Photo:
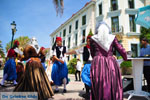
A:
[126, 68]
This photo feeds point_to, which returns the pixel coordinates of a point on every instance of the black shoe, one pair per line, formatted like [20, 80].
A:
[86, 95]
[15, 84]
[2, 85]
[64, 91]
[56, 91]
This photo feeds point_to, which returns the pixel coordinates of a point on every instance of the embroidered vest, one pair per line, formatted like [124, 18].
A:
[58, 52]
[86, 54]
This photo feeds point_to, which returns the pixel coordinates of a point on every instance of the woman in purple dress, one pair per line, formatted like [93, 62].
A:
[105, 72]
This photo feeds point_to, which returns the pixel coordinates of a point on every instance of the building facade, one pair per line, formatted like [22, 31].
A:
[75, 30]
[118, 14]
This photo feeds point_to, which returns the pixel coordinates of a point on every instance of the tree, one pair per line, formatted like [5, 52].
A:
[1, 50]
[59, 6]
[71, 66]
[23, 41]
[145, 33]
[90, 33]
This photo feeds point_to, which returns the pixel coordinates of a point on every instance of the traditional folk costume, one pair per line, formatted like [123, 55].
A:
[10, 66]
[34, 78]
[105, 71]
[19, 70]
[59, 71]
[42, 57]
[87, 58]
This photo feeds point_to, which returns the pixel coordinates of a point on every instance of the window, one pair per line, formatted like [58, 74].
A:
[83, 36]
[75, 56]
[64, 33]
[69, 42]
[60, 34]
[76, 25]
[84, 20]
[63, 42]
[132, 23]
[134, 49]
[115, 24]
[100, 9]
[131, 3]
[53, 40]
[114, 5]
[76, 39]
[70, 29]
[68, 58]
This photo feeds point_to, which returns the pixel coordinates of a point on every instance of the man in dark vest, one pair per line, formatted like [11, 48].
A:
[59, 69]
[87, 58]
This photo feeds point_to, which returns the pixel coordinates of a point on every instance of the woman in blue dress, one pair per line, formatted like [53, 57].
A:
[59, 69]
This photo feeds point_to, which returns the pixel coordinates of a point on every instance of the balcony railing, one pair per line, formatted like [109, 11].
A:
[117, 29]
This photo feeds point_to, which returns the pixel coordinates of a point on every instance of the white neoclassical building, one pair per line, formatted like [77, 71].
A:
[118, 14]
[76, 28]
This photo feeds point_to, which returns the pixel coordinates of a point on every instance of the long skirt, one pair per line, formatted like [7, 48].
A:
[85, 75]
[106, 79]
[59, 72]
[10, 69]
[35, 80]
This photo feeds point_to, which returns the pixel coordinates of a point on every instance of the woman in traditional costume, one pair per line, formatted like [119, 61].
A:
[105, 71]
[41, 55]
[34, 78]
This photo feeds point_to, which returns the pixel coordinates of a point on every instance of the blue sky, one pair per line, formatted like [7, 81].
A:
[34, 18]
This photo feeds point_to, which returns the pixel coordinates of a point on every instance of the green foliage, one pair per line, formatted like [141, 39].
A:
[120, 57]
[145, 33]
[71, 70]
[126, 64]
[23, 41]
[1, 50]
[90, 33]
[71, 66]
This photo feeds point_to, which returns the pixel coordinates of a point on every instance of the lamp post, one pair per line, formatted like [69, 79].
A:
[13, 27]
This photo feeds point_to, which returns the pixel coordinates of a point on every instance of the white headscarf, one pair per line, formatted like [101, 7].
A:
[103, 36]
[34, 44]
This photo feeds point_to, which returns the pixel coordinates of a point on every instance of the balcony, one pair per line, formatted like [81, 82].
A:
[131, 11]
[114, 13]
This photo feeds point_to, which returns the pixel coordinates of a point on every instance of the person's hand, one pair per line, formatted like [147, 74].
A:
[58, 60]
[115, 57]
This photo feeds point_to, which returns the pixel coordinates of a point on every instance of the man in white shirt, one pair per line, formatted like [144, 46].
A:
[78, 70]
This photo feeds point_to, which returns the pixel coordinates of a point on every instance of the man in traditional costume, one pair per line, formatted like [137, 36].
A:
[59, 70]
[10, 66]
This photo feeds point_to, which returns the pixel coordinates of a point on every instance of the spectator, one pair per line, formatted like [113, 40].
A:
[145, 51]
[78, 70]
